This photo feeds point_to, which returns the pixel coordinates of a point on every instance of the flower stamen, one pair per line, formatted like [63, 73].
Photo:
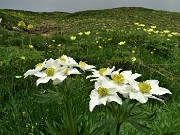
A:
[102, 70]
[144, 87]
[38, 65]
[118, 78]
[50, 71]
[82, 63]
[102, 91]
[62, 59]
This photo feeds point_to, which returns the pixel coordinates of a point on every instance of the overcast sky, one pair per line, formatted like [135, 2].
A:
[80, 5]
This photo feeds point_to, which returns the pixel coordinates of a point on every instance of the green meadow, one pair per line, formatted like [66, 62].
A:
[141, 40]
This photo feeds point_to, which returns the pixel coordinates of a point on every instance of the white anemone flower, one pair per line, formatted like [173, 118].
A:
[67, 61]
[38, 68]
[65, 71]
[122, 80]
[123, 77]
[101, 72]
[85, 67]
[141, 91]
[54, 71]
[105, 91]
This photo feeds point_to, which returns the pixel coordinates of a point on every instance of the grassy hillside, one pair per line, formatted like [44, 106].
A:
[111, 18]
[142, 40]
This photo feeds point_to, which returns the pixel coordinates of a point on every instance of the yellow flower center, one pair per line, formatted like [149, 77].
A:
[50, 71]
[118, 78]
[102, 70]
[102, 91]
[62, 59]
[38, 65]
[82, 63]
[144, 87]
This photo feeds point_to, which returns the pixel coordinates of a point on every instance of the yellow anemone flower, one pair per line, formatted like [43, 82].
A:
[169, 35]
[31, 46]
[141, 25]
[80, 33]
[18, 76]
[122, 43]
[30, 26]
[174, 33]
[150, 30]
[72, 37]
[133, 51]
[100, 47]
[166, 31]
[21, 24]
[87, 33]
[153, 27]
[133, 59]
[156, 31]
[136, 23]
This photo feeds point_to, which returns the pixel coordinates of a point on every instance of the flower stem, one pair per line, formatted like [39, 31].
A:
[22, 42]
[69, 117]
[30, 38]
[68, 111]
[118, 127]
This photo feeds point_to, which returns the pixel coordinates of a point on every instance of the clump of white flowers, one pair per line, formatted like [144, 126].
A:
[108, 82]
[57, 69]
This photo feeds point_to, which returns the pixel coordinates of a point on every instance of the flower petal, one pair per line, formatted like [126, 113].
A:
[49, 63]
[30, 72]
[116, 72]
[42, 80]
[73, 71]
[124, 89]
[157, 99]
[40, 74]
[153, 83]
[126, 74]
[109, 71]
[58, 81]
[134, 76]
[115, 98]
[93, 103]
[138, 96]
[87, 67]
[106, 83]
[160, 91]
[94, 100]
[59, 76]
[104, 99]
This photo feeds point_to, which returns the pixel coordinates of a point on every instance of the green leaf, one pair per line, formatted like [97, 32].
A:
[41, 133]
[148, 118]
[51, 96]
[139, 126]
[135, 115]
[50, 129]
[103, 126]
[137, 118]
[84, 129]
